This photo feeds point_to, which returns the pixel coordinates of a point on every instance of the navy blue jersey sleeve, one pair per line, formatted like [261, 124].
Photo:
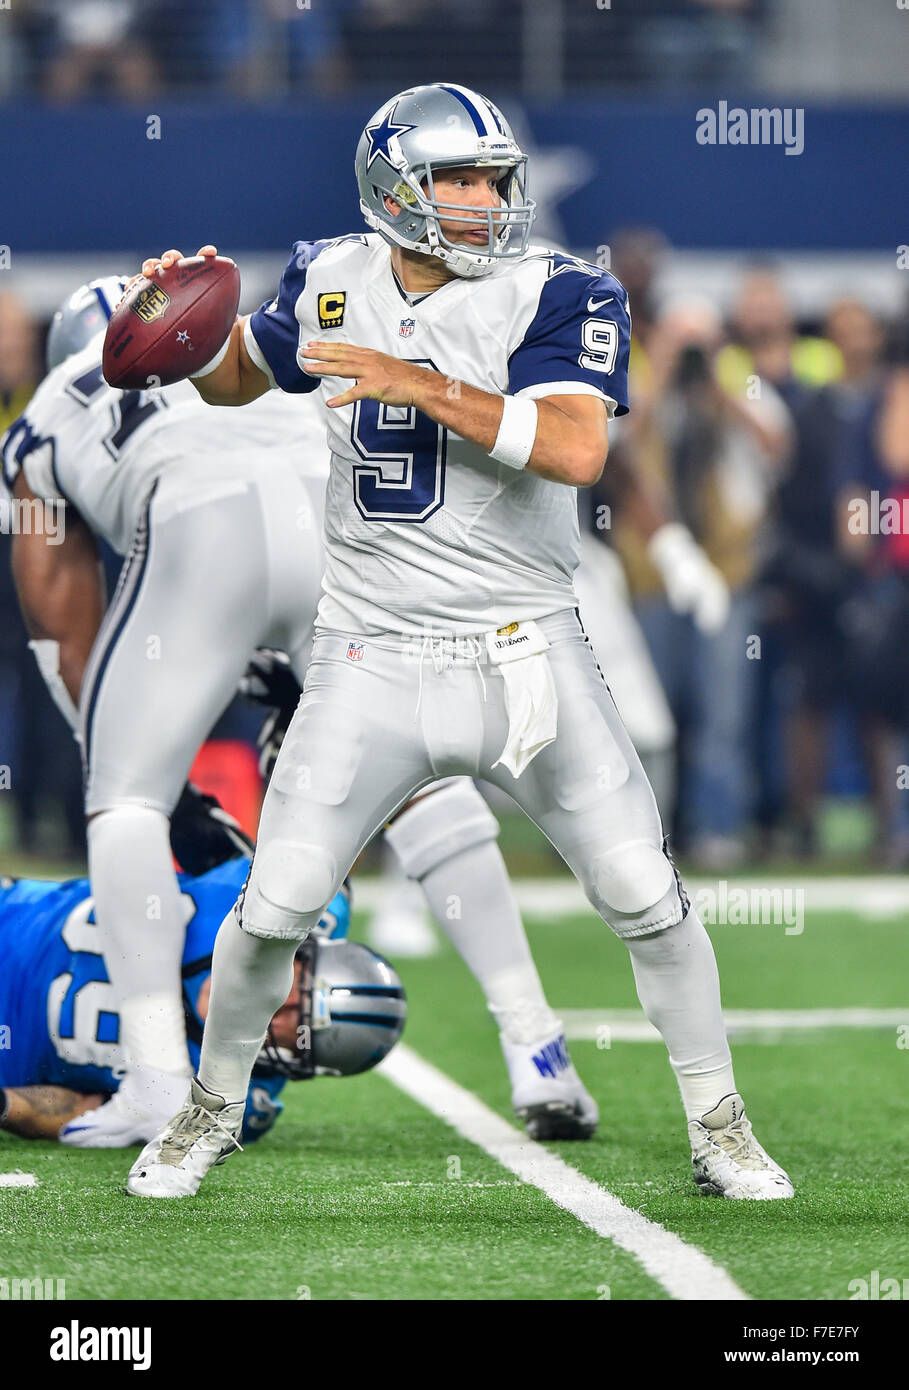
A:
[580, 335]
[274, 327]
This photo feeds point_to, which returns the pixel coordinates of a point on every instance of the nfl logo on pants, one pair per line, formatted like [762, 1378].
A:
[407, 328]
[355, 651]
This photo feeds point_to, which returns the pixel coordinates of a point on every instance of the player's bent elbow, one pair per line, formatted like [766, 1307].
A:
[235, 393]
[587, 467]
[213, 395]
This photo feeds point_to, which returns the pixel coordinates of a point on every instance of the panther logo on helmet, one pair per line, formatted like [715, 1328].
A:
[352, 1010]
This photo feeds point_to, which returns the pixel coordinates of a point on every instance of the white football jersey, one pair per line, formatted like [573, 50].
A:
[102, 449]
[423, 529]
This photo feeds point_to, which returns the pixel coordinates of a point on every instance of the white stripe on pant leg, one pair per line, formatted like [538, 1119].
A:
[683, 1271]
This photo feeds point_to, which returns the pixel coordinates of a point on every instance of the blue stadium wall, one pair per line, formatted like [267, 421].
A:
[88, 178]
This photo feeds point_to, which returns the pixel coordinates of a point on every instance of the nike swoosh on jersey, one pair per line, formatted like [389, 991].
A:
[594, 304]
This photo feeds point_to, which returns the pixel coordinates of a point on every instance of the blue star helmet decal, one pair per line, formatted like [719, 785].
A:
[380, 135]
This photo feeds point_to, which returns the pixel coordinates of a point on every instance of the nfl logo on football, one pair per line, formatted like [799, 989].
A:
[407, 328]
[355, 651]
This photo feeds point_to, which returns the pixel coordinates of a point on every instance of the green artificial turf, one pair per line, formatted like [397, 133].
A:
[351, 1196]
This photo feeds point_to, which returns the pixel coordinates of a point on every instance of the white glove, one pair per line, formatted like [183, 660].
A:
[693, 583]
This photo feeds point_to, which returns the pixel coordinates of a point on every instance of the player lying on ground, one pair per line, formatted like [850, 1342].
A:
[65, 1057]
[468, 381]
[221, 512]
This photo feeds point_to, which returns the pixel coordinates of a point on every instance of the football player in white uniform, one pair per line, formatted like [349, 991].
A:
[469, 378]
[221, 514]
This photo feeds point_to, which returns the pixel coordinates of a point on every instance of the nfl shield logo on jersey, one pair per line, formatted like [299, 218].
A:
[407, 328]
[355, 651]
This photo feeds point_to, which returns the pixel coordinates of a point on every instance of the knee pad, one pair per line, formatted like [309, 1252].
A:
[634, 888]
[288, 886]
[107, 827]
[440, 825]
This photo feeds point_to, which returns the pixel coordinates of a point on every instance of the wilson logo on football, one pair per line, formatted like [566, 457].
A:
[150, 303]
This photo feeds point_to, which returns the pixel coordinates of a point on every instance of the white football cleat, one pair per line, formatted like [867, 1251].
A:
[728, 1161]
[205, 1132]
[546, 1091]
[133, 1115]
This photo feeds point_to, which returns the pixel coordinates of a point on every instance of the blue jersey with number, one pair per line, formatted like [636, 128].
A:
[423, 529]
[59, 1023]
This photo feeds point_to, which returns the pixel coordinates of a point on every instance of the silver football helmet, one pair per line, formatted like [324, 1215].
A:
[427, 129]
[86, 312]
[352, 1012]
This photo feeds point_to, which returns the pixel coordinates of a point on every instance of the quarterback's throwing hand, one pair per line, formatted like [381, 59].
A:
[378, 375]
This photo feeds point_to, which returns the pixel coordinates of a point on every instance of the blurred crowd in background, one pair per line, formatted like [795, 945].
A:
[766, 436]
[760, 434]
[72, 50]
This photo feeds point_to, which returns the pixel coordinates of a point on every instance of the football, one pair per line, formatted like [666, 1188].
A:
[167, 327]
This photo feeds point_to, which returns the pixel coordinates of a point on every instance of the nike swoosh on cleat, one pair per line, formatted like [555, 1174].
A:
[594, 304]
[76, 1129]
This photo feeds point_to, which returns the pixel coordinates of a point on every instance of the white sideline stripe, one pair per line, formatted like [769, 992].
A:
[683, 1271]
[628, 1025]
[874, 896]
[18, 1180]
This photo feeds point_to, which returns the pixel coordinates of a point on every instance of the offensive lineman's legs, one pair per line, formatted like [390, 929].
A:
[159, 676]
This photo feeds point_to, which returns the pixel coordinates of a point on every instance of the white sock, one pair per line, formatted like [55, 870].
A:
[679, 989]
[250, 979]
[142, 920]
[446, 840]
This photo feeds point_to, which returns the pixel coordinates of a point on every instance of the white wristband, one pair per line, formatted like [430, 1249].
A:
[215, 361]
[47, 654]
[517, 432]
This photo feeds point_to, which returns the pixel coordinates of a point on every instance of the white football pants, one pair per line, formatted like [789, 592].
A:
[227, 559]
[382, 717]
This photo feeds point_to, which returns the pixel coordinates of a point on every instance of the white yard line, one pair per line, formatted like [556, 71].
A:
[683, 1271]
[875, 897]
[629, 1025]
[18, 1180]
